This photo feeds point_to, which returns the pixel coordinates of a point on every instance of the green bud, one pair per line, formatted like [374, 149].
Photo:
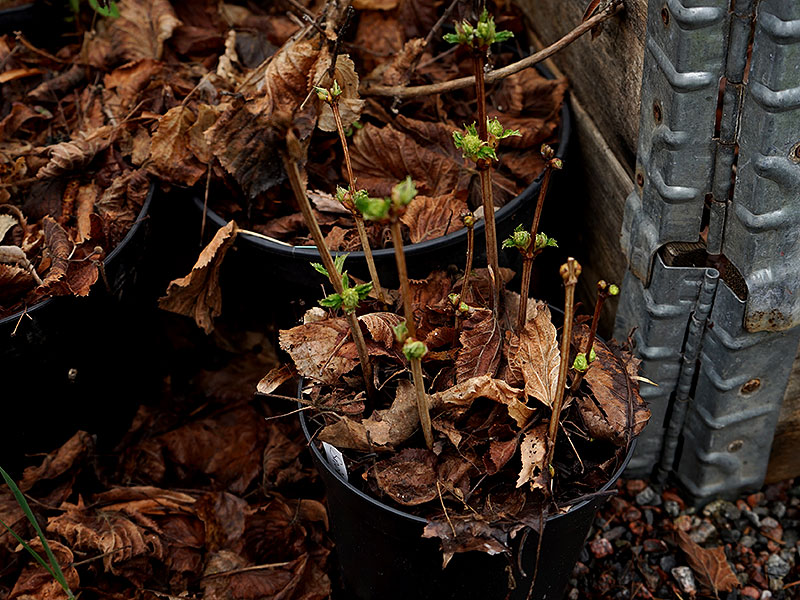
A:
[455, 299]
[400, 332]
[350, 299]
[338, 262]
[373, 209]
[580, 363]
[414, 349]
[404, 192]
[551, 470]
[463, 307]
[543, 241]
[471, 145]
[519, 239]
[341, 194]
[322, 94]
[557, 163]
[495, 129]
[592, 355]
[336, 91]
[468, 220]
[547, 152]
[613, 290]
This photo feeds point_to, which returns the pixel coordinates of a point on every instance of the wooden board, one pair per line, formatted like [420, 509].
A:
[606, 73]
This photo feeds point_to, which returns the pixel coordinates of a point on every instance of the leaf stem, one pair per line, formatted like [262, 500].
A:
[469, 223]
[524, 290]
[416, 364]
[359, 218]
[333, 274]
[569, 272]
[602, 294]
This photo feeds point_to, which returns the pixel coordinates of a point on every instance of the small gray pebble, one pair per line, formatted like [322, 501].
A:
[777, 566]
[775, 584]
[732, 512]
[779, 510]
[761, 511]
[648, 516]
[646, 497]
[615, 533]
[748, 541]
[787, 554]
[712, 508]
[765, 595]
[704, 531]
[691, 510]
[685, 579]
[752, 517]
[574, 594]
[672, 508]
[667, 562]
[769, 523]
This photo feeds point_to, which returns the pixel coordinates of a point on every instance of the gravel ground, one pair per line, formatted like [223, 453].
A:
[633, 550]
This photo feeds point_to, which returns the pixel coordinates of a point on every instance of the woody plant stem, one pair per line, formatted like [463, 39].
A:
[569, 273]
[602, 295]
[416, 363]
[530, 254]
[357, 216]
[485, 170]
[333, 274]
[469, 223]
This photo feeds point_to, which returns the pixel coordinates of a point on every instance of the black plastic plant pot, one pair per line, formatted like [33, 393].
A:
[290, 264]
[383, 556]
[56, 357]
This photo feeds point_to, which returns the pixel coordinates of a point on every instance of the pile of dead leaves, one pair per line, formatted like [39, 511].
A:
[204, 508]
[490, 392]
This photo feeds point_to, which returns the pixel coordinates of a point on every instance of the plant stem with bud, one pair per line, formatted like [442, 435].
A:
[469, 222]
[333, 274]
[530, 254]
[333, 102]
[569, 273]
[604, 290]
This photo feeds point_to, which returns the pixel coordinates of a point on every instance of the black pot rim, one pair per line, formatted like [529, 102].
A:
[106, 261]
[419, 520]
[457, 237]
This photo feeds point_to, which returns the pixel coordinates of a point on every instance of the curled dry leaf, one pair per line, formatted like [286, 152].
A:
[386, 428]
[142, 29]
[484, 386]
[59, 247]
[314, 348]
[408, 477]
[68, 457]
[611, 380]
[396, 71]
[470, 533]
[223, 516]
[74, 155]
[244, 138]
[710, 565]
[35, 582]
[480, 345]
[170, 156]
[533, 451]
[429, 218]
[381, 327]
[276, 378]
[536, 356]
[350, 104]
[197, 294]
[84, 209]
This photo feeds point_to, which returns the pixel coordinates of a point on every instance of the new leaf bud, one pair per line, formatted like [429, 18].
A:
[414, 349]
[580, 364]
[613, 290]
[400, 332]
[404, 192]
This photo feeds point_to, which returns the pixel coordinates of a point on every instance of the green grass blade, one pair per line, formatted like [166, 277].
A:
[30, 550]
[56, 571]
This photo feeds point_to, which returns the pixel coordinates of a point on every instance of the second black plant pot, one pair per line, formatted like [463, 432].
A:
[383, 556]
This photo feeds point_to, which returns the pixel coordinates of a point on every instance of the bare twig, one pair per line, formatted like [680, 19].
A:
[569, 273]
[461, 83]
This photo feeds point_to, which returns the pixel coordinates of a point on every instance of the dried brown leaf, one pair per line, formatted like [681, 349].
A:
[87, 195]
[197, 295]
[74, 155]
[223, 516]
[610, 378]
[379, 164]
[35, 582]
[484, 386]
[471, 533]
[395, 71]
[350, 104]
[429, 218]
[533, 451]
[375, 4]
[480, 345]
[313, 348]
[142, 29]
[276, 378]
[710, 565]
[537, 356]
[59, 248]
[408, 477]
[170, 157]
[381, 327]
[19, 115]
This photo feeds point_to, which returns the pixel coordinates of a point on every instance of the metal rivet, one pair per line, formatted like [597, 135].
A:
[751, 386]
[735, 446]
[665, 16]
